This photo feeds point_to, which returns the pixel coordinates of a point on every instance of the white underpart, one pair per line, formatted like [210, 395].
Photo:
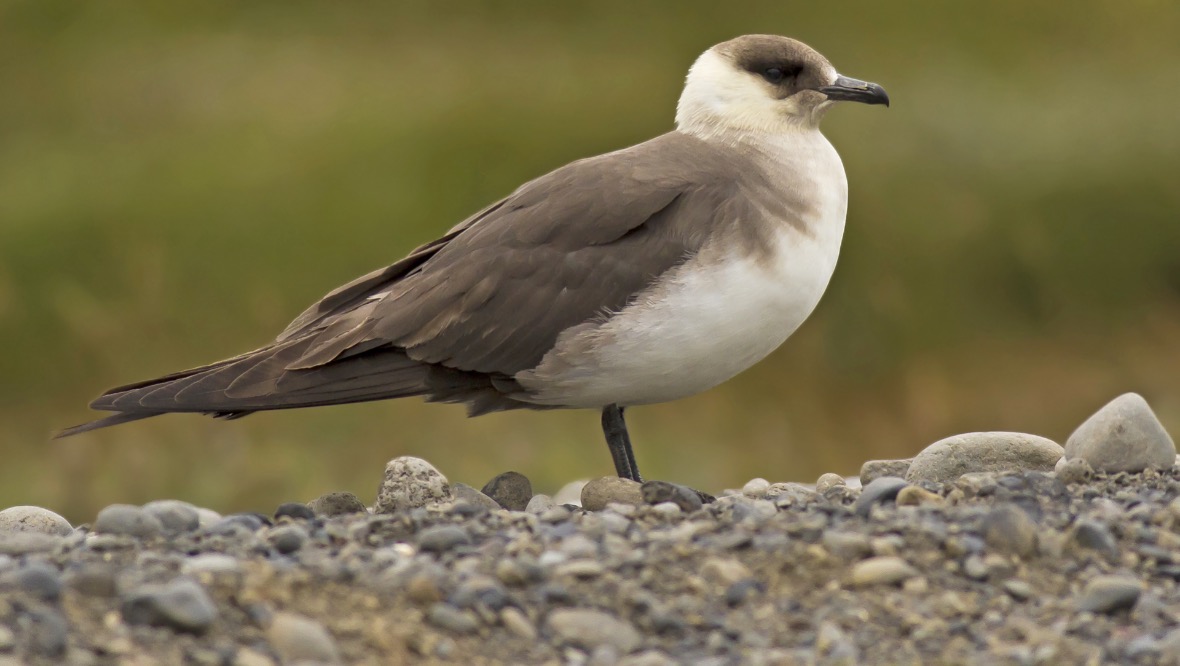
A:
[719, 313]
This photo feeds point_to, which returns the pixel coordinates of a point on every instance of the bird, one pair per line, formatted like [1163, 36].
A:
[639, 276]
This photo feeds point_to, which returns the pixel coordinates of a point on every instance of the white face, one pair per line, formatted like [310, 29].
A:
[719, 95]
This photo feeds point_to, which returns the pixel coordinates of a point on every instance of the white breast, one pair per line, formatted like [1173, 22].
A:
[709, 319]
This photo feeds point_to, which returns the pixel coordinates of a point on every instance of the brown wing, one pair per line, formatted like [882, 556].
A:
[458, 317]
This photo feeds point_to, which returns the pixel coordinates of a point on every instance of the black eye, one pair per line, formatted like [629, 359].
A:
[774, 74]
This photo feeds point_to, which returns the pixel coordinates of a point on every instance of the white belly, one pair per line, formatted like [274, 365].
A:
[710, 319]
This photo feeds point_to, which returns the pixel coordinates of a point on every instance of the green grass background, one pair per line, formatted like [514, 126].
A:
[178, 180]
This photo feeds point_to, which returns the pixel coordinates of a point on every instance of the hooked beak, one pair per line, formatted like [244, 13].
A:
[854, 90]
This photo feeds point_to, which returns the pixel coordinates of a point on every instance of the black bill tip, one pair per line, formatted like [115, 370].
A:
[846, 89]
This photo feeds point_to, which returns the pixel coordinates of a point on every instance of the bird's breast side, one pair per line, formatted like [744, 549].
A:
[702, 322]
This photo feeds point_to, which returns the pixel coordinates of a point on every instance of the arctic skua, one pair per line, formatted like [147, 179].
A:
[639, 276]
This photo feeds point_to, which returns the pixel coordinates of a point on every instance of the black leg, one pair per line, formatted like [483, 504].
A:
[619, 443]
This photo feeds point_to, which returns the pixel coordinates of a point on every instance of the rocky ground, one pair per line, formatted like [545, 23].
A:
[987, 548]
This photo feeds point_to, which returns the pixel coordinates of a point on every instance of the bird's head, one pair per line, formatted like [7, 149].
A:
[765, 83]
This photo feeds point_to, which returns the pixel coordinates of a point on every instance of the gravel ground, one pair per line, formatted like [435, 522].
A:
[986, 548]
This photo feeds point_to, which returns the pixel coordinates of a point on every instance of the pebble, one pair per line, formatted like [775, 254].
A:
[515, 621]
[213, 564]
[882, 570]
[828, 481]
[336, 504]
[1109, 594]
[724, 571]
[917, 496]
[511, 490]
[540, 504]
[880, 490]
[465, 493]
[1123, 436]
[756, 488]
[294, 511]
[847, 545]
[181, 604]
[442, 538]
[590, 629]
[33, 519]
[287, 539]
[128, 520]
[1009, 529]
[300, 639]
[411, 483]
[947, 459]
[207, 517]
[875, 469]
[37, 579]
[445, 616]
[611, 489]
[47, 634]
[175, 516]
[1095, 536]
[683, 497]
[570, 493]
[1073, 470]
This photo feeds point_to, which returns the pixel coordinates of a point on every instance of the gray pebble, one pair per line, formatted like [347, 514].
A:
[1108, 594]
[828, 481]
[441, 538]
[207, 517]
[445, 616]
[540, 504]
[756, 488]
[875, 469]
[1019, 589]
[33, 519]
[181, 604]
[175, 516]
[947, 459]
[287, 539]
[1009, 529]
[128, 520]
[1095, 536]
[411, 483]
[607, 489]
[882, 489]
[847, 545]
[510, 490]
[336, 504]
[465, 493]
[300, 639]
[515, 621]
[683, 497]
[36, 579]
[1073, 470]
[883, 570]
[214, 564]
[294, 511]
[570, 493]
[93, 580]
[46, 633]
[1123, 436]
[590, 629]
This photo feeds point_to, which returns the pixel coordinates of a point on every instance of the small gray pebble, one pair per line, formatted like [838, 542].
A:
[287, 539]
[611, 489]
[33, 519]
[445, 616]
[756, 488]
[37, 579]
[441, 538]
[880, 490]
[216, 564]
[829, 480]
[875, 469]
[175, 516]
[1009, 529]
[1109, 594]
[539, 504]
[464, 492]
[1095, 536]
[1019, 589]
[294, 511]
[883, 570]
[298, 639]
[658, 492]
[1123, 436]
[128, 520]
[46, 633]
[1075, 470]
[94, 580]
[511, 490]
[207, 517]
[336, 504]
[518, 623]
[947, 459]
[181, 604]
[589, 629]
[847, 545]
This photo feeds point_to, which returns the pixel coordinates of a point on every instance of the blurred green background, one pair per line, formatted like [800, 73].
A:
[179, 180]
